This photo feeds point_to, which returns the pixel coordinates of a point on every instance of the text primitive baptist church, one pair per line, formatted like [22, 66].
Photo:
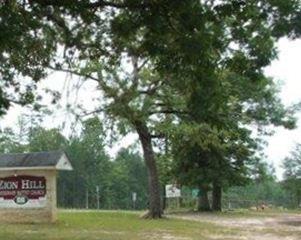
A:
[28, 186]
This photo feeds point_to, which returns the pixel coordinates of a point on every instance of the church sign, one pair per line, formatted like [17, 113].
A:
[28, 186]
[23, 191]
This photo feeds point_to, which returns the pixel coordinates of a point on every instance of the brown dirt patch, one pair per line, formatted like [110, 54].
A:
[281, 226]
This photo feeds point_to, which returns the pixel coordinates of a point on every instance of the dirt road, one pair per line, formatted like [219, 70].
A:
[276, 226]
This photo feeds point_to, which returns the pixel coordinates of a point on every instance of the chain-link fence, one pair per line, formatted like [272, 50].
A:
[232, 200]
[100, 199]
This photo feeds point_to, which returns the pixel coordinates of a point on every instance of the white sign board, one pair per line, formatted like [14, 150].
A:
[22, 192]
[171, 191]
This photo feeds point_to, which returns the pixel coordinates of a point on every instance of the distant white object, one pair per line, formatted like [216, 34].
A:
[134, 196]
[171, 191]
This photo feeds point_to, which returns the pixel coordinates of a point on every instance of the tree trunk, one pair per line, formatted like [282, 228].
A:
[216, 197]
[155, 210]
[203, 200]
[164, 199]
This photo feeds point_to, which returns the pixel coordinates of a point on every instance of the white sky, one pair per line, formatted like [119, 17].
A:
[286, 69]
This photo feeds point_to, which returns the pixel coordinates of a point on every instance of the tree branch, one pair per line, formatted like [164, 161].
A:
[142, 64]
[17, 102]
[159, 135]
[87, 5]
[135, 72]
[74, 72]
[168, 111]
[92, 112]
[102, 3]
[152, 89]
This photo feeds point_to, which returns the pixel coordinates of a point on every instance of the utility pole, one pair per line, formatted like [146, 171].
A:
[87, 198]
[97, 195]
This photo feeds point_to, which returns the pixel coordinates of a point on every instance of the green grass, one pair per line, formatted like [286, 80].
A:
[246, 213]
[113, 225]
[241, 213]
[105, 225]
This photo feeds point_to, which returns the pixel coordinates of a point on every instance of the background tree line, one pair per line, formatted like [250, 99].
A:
[116, 178]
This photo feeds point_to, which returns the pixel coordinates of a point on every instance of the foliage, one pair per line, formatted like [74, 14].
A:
[26, 54]
[262, 187]
[128, 177]
[221, 150]
[41, 139]
[292, 174]
[91, 167]
[254, 194]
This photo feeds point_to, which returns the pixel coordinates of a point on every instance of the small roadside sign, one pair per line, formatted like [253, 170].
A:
[195, 193]
[172, 191]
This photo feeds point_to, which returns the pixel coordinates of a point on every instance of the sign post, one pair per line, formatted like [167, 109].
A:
[97, 195]
[134, 199]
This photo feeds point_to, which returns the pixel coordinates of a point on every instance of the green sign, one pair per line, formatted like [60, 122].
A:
[195, 193]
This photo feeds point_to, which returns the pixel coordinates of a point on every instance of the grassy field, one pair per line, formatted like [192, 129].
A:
[110, 225]
[107, 226]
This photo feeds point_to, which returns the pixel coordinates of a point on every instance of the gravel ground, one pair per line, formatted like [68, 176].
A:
[282, 226]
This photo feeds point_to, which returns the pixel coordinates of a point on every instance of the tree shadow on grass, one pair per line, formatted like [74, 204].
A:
[296, 222]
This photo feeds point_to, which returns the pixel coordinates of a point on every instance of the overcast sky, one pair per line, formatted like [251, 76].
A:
[287, 69]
